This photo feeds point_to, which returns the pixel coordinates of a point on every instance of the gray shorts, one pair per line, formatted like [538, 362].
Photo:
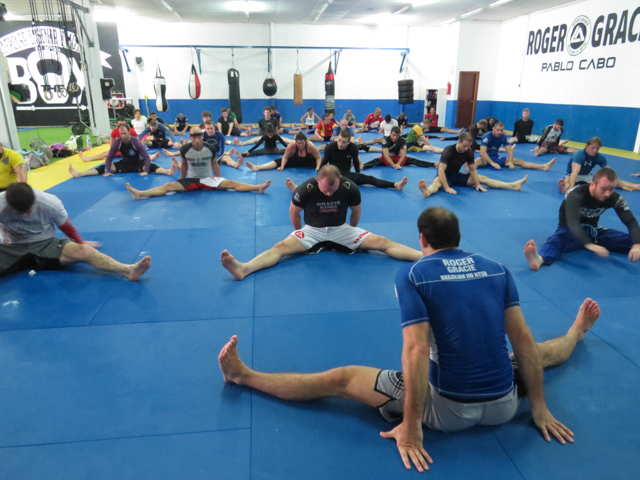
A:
[442, 413]
[41, 255]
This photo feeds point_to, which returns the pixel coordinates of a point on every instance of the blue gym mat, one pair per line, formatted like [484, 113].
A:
[104, 378]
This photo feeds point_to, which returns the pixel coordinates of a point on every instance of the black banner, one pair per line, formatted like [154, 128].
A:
[47, 71]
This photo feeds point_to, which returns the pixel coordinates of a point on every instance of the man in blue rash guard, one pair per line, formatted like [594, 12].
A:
[457, 309]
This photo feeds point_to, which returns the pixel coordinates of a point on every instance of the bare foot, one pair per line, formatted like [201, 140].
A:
[236, 141]
[231, 264]
[518, 185]
[289, 183]
[562, 185]
[175, 166]
[547, 166]
[233, 369]
[239, 162]
[513, 146]
[154, 156]
[359, 139]
[264, 186]
[422, 185]
[400, 185]
[74, 173]
[139, 268]
[134, 193]
[176, 163]
[442, 138]
[166, 152]
[83, 157]
[252, 166]
[531, 252]
[587, 315]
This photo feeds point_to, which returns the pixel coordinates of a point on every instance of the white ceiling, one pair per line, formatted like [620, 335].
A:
[338, 12]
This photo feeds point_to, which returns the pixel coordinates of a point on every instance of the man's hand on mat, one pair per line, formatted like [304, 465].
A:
[143, 174]
[107, 174]
[548, 424]
[410, 446]
[451, 191]
[635, 174]
[634, 253]
[480, 188]
[601, 251]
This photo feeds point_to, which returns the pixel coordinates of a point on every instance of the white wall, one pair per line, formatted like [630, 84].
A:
[362, 74]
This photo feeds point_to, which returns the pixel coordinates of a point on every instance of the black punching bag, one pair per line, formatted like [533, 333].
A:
[233, 77]
[269, 86]
[405, 92]
[329, 91]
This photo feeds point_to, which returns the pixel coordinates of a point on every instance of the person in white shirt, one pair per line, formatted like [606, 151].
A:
[385, 129]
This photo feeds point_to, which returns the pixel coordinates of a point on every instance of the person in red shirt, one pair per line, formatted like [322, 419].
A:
[433, 127]
[114, 134]
[372, 122]
[324, 130]
[433, 116]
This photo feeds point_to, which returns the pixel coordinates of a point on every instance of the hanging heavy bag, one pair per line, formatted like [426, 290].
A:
[233, 77]
[194, 83]
[405, 92]
[269, 86]
[297, 89]
[329, 90]
[160, 87]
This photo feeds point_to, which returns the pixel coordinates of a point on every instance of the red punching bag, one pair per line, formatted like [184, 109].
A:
[194, 83]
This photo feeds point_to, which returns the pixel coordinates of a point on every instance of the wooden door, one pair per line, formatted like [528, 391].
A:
[467, 95]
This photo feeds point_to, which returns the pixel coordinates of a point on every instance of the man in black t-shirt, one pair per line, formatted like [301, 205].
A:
[522, 130]
[325, 200]
[227, 125]
[449, 176]
[262, 123]
[474, 130]
[343, 154]
[181, 124]
[578, 224]
[394, 153]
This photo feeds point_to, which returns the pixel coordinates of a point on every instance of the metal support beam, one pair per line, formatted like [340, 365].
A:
[404, 57]
[90, 42]
[198, 50]
[336, 57]
[124, 55]
[75, 6]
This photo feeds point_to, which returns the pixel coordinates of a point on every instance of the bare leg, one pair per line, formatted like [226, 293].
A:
[531, 252]
[557, 351]
[563, 185]
[243, 187]
[375, 149]
[358, 140]
[290, 185]
[154, 192]
[534, 166]
[82, 253]
[373, 142]
[267, 166]
[489, 182]
[155, 156]
[628, 186]
[93, 158]
[266, 259]
[392, 249]
[171, 171]
[315, 138]
[447, 130]
[87, 173]
[540, 151]
[354, 382]
[432, 149]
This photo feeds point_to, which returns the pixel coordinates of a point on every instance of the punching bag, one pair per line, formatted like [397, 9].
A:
[329, 90]
[297, 89]
[233, 77]
[194, 83]
[269, 86]
[405, 92]
[160, 87]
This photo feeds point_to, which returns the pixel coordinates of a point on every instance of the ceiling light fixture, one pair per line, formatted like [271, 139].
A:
[499, 2]
[246, 6]
[402, 10]
[168, 7]
[473, 12]
[447, 22]
[324, 7]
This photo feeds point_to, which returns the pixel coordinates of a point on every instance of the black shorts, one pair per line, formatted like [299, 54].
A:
[327, 138]
[181, 128]
[298, 162]
[124, 166]
[166, 144]
[459, 180]
[554, 148]
[41, 255]
[235, 132]
[435, 129]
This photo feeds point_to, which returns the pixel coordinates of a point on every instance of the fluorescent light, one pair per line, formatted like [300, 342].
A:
[324, 7]
[499, 2]
[468, 14]
[402, 10]
[246, 7]
[447, 22]
[422, 3]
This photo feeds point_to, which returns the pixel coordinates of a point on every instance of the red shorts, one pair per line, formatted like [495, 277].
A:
[394, 158]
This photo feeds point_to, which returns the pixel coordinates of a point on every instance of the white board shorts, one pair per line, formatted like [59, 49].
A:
[344, 235]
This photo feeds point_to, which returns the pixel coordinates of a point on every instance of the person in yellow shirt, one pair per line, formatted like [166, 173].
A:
[12, 168]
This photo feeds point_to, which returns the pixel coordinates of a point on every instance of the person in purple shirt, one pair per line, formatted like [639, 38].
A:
[490, 148]
[457, 309]
[134, 159]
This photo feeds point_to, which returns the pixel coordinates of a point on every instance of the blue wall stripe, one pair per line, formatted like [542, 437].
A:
[252, 109]
[617, 127]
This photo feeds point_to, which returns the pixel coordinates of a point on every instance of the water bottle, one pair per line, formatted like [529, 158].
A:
[88, 142]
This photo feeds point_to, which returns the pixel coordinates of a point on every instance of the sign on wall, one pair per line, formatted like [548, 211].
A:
[47, 70]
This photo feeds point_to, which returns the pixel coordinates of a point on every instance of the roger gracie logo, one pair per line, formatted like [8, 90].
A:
[579, 34]
[299, 234]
